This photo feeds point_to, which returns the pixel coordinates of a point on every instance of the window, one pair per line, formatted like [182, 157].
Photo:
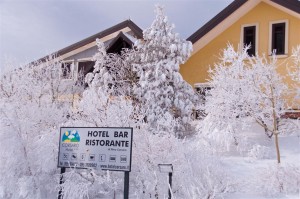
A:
[249, 37]
[85, 67]
[66, 70]
[279, 37]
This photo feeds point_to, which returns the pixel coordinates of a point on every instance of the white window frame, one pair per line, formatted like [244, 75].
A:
[202, 85]
[286, 40]
[74, 67]
[256, 35]
[85, 59]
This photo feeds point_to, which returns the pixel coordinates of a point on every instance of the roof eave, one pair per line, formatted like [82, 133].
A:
[216, 20]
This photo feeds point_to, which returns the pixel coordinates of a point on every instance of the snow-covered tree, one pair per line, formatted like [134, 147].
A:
[149, 75]
[161, 87]
[30, 107]
[244, 87]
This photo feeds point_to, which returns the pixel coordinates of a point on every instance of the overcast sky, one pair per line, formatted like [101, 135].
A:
[31, 29]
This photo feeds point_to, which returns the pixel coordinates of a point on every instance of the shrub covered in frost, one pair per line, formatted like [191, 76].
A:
[195, 174]
[259, 152]
[281, 180]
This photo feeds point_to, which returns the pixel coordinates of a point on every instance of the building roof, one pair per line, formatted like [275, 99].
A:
[293, 5]
[137, 31]
[128, 23]
[118, 42]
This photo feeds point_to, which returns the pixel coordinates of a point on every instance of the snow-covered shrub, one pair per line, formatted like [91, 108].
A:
[294, 69]
[30, 108]
[205, 177]
[195, 175]
[149, 150]
[221, 137]
[27, 186]
[260, 152]
[86, 183]
[281, 180]
[289, 127]
[294, 73]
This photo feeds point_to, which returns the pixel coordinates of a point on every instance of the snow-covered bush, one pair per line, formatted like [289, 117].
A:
[195, 175]
[219, 140]
[30, 107]
[205, 176]
[289, 127]
[294, 72]
[259, 152]
[294, 69]
[282, 180]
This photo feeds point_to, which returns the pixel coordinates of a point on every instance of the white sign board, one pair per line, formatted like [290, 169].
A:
[107, 148]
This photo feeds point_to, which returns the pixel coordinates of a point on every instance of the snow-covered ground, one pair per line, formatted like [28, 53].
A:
[257, 173]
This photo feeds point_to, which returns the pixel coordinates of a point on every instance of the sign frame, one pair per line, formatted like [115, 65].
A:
[110, 169]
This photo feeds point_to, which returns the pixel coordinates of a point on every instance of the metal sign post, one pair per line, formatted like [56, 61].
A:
[167, 168]
[170, 184]
[126, 184]
[61, 181]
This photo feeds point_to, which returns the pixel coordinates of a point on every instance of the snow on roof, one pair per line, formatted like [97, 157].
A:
[130, 37]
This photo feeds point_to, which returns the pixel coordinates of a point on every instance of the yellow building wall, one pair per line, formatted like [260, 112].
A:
[195, 70]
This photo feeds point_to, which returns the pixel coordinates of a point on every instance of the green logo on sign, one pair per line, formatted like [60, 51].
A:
[71, 136]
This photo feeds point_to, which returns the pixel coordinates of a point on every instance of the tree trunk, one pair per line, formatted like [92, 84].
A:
[277, 147]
